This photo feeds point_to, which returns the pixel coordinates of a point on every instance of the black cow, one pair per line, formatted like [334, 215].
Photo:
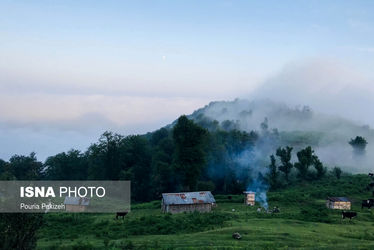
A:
[121, 214]
[371, 175]
[348, 214]
[367, 203]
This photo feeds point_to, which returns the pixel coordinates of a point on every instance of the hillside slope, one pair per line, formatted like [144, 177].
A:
[297, 127]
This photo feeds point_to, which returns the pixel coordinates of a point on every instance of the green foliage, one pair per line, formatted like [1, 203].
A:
[337, 172]
[272, 175]
[190, 140]
[67, 166]
[359, 144]
[285, 156]
[25, 167]
[320, 169]
[305, 157]
[18, 231]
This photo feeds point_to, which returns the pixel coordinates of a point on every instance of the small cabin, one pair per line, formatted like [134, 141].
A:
[250, 198]
[76, 204]
[202, 201]
[342, 203]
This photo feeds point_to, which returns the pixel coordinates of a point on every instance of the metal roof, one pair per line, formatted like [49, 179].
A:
[188, 198]
[76, 201]
[345, 199]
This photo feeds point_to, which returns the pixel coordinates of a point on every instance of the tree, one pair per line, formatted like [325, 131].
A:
[264, 125]
[137, 162]
[306, 159]
[189, 140]
[320, 169]
[337, 172]
[285, 156]
[18, 231]
[104, 157]
[359, 145]
[67, 166]
[272, 175]
[25, 167]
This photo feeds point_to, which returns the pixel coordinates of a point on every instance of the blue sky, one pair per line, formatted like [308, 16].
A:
[81, 67]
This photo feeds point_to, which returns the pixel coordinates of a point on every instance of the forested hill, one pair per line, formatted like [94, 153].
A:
[249, 115]
[297, 127]
[225, 147]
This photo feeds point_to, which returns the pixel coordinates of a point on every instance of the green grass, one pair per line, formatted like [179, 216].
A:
[304, 223]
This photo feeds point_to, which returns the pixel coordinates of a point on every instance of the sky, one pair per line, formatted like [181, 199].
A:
[70, 70]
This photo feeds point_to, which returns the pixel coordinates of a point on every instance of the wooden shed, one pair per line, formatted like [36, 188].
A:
[338, 203]
[202, 201]
[76, 204]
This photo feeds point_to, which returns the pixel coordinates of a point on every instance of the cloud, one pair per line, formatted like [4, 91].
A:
[325, 85]
[49, 124]
[87, 111]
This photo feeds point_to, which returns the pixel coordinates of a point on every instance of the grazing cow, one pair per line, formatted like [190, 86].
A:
[348, 214]
[367, 203]
[121, 214]
[371, 175]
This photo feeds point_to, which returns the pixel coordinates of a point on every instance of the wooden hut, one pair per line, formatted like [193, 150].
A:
[76, 204]
[338, 203]
[202, 201]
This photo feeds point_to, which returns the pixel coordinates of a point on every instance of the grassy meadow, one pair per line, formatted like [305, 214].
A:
[303, 223]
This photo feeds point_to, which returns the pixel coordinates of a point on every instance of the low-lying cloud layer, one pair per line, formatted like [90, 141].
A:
[50, 117]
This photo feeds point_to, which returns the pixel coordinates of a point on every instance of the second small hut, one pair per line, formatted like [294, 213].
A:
[338, 203]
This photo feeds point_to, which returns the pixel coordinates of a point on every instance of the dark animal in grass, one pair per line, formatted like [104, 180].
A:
[229, 197]
[121, 214]
[276, 210]
[236, 236]
[348, 214]
[371, 175]
[367, 203]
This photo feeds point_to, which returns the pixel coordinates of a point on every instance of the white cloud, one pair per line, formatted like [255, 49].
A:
[326, 85]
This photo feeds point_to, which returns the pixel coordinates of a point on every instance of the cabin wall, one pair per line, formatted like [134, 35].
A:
[75, 208]
[343, 205]
[201, 207]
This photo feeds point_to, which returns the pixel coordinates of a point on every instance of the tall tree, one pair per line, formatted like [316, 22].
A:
[320, 169]
[104, 157]
[272, 175]
[137, 164]
[285, 156]
[189, 141]
[306, 159]
[25, 167]
[359, 145]
[66, 166]
[337, 172]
